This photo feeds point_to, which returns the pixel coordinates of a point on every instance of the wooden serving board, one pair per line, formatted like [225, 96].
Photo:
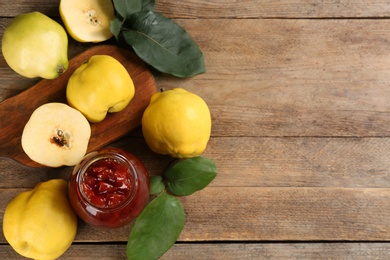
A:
[15, 111]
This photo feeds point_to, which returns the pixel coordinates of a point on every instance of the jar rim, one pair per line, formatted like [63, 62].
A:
[93, 157]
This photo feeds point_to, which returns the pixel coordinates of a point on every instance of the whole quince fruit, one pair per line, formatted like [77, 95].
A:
[41, 223]
[98, 86]
[177, 122]
[34, 45]
[87, 20]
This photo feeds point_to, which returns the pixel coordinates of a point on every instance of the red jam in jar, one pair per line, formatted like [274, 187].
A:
[109, 188]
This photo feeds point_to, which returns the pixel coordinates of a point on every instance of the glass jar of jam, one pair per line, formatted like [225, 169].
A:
[109, 188]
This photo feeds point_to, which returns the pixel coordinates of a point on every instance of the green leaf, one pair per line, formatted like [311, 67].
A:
[156, 184]
[163, 44]
[115, 27]
[156, 229]
[127, 7]
[190, 175]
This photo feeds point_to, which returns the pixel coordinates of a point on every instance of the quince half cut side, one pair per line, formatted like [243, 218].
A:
[87, 20]
[56, 135]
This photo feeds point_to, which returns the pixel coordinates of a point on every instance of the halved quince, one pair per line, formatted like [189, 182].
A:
[56, 135]
[87, 20]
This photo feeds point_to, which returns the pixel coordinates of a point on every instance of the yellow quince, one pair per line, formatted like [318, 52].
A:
[98, 86]
[177, 122]
[34, 45]
[41, 223]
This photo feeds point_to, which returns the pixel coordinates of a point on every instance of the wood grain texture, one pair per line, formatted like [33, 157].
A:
[298, 92]
[273, 9]
[294, 77]
[233, 251]
[233, 9]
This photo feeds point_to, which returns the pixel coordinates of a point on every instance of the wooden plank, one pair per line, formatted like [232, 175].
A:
[234, 9]
[301, 162]
[284, 214]
[229, 251]
[256, 162]
[273, 9]
[268, 214]
[19, 7]
[248, 120]
[297, 251]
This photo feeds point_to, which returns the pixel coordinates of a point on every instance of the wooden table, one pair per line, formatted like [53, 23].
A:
[299, 93]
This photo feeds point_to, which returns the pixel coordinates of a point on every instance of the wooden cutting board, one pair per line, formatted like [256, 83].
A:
[15, 111]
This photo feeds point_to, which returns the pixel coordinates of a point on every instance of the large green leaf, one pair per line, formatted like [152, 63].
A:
[127, 7]
[190, 175]
[156, 229]
[163, 44]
